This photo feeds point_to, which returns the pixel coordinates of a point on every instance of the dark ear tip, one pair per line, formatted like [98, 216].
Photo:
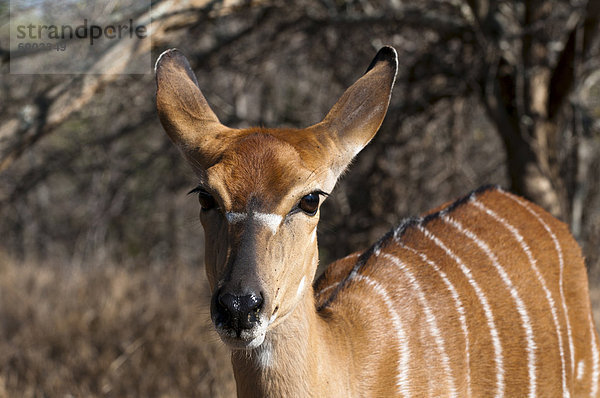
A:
[175, 59]
[171, 55]
[385, 54]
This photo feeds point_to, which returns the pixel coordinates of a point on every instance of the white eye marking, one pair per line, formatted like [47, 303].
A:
[271, 221]
[233, 218]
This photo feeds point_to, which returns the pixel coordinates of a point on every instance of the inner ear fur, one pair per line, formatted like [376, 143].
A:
[358, 114]
[184, 112]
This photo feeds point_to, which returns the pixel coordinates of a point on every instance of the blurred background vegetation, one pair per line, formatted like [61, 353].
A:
[102, 291]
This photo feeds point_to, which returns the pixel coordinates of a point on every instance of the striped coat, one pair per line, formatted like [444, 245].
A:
[486, 297]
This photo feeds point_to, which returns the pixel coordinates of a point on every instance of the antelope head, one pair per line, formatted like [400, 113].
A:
[261, 189]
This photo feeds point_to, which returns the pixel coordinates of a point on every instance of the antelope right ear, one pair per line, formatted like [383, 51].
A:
[184, 112]
[358, 114]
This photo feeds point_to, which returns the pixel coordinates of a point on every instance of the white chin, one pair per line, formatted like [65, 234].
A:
[248, 340]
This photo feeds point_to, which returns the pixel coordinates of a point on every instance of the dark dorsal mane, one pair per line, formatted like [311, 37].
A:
[396, 233]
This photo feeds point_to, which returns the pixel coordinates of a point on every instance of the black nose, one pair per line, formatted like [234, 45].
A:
[238, 312]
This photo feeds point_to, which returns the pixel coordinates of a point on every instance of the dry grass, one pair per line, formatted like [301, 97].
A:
[108, 331]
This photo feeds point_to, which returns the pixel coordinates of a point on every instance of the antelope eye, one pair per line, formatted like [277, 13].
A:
[206, 200]
[309, 203]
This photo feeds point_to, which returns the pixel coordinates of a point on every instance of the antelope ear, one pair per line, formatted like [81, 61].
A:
[358, 114]
[184, 113]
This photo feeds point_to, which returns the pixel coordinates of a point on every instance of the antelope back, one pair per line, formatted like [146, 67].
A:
[487, 296]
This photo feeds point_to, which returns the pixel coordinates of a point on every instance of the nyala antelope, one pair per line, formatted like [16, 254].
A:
[487, 296]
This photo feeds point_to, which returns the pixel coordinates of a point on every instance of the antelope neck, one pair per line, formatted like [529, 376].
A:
[304, 336]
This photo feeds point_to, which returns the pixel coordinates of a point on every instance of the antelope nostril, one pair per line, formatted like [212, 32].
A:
[239, 312]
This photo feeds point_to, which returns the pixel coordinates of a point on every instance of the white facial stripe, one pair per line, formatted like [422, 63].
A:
[301, 287]
[272, 319]
[313, 235]
[271, 221]
[234, 218]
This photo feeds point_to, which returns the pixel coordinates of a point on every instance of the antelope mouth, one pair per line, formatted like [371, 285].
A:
[244, 339]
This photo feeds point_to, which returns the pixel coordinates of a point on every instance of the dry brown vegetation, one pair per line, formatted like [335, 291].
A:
[108, 331]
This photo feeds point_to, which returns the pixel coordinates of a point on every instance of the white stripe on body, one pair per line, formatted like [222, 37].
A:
[517, 235]
[580, 369]
[561, 263]
[498, 359]
[325, 289]
[430, 319]
[595, 360]
[458, 305]
[402, 379]
[520, 305]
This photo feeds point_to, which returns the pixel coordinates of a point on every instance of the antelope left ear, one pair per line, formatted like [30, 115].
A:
[358, 114]
[184, 112]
